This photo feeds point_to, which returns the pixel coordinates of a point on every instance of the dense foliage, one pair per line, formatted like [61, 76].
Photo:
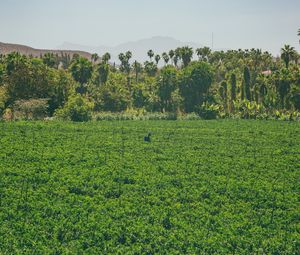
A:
[217, 187]
[172, 82]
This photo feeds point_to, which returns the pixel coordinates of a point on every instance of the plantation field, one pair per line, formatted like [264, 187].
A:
[199, 187]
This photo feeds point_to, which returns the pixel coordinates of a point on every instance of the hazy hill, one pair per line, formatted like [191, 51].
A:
[6, 48]
[158, 44]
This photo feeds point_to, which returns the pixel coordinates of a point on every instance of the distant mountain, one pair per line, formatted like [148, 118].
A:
[139, 49]
[6, 48]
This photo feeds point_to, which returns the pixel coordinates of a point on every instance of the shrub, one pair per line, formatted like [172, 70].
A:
[32, 109]
[78, 108]
[209, 112]
[189, 116]
[249, 110]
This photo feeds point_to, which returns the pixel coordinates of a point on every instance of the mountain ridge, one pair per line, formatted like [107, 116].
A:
[139, 48]
[6, 48]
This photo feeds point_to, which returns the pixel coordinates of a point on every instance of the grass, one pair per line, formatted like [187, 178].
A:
[199, 187]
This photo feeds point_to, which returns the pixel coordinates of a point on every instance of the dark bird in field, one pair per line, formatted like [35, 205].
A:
[148, 138]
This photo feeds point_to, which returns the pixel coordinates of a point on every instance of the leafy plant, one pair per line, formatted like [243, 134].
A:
[78, 108]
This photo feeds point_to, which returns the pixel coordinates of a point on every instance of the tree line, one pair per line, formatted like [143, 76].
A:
[200, 80]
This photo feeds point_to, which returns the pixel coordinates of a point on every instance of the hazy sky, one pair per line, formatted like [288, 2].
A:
[266, 24]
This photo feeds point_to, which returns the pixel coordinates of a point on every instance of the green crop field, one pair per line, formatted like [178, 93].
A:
[199, 187]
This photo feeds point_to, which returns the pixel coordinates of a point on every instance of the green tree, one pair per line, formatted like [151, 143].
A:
[223, 91]
[137, 68]
[157, 59]
[233, 86]
[105, 58]
[124, 59]
[150, 54]
[283, 81]
[114, 95]
[27, 78]
[287, 54]
[81, 70]
[171, 55]
[62, 87]
[50, 60]
[166, 58]
[186, 54]
[194, 83]
[167, 84]
[203, 53]
[78, 108]
[247, 80]
[150, 68]
[103, 72]
[177, 56]
[94, 57]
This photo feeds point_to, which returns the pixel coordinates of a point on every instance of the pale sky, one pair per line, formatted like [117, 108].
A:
[266, 24]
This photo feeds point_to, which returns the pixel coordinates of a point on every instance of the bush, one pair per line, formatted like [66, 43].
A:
[3, 99]
[32, 109]
[249, 110]
[209, 112]
[189, 116]
[78, 108]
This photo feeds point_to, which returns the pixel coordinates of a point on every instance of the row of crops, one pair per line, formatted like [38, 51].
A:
[199, 187]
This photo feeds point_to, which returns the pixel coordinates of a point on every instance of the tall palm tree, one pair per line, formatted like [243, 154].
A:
[171, 55]
[121, 57]
[94, 57]
[287, 54]
[157, 59]
[137, 67]
[203, 53]
[299, 34]
[175, 60]
[150, 68]
[177, 56]
[186, 54]
[150, 54]
[106, 57]
[165, 57]
[128, 55]
[81, 70]
[50, 60]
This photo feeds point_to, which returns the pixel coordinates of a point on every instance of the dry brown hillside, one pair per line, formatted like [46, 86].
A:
[6, 48]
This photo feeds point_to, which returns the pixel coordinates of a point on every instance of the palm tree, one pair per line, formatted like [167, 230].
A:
[283, 84]
[246, 81]
[287, 54]
[171, 55]
[186, 54]
[177, 56]
[175, 60]
[81, 70]
[94, 57]
[165, 57]
[203, 53]
[106, 57]
[50, 60]
[299, 34]
[150, 54]
[137, 67]
[157, 59]
[121, 57]
[150, 68]
[124, 59]
[128, 55]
